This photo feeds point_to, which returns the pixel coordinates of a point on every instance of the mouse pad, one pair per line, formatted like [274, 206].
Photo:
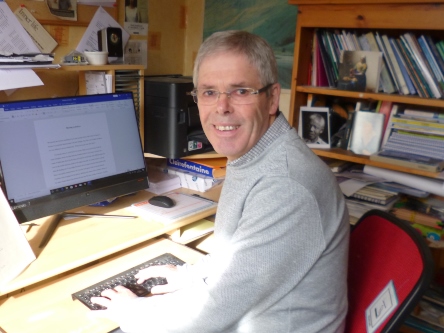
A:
[186, 205]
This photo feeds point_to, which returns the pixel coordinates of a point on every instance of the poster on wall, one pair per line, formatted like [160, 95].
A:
[136, 17]
[274, 20]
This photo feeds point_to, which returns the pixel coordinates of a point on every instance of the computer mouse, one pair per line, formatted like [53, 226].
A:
[162, 201]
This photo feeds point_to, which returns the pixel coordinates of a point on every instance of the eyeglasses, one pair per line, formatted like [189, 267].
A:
[237, 96]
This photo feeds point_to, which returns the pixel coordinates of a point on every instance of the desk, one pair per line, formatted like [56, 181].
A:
[82, 252]
[48, 307]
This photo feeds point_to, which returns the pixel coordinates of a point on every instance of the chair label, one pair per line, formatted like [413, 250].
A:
[383, 305]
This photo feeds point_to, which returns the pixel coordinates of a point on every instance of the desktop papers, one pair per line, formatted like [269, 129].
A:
[15, 252]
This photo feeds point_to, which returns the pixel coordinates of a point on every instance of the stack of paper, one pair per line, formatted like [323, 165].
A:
[185, 206]
[161, 182]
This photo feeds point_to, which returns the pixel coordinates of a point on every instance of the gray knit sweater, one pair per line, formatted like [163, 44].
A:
[280, 263]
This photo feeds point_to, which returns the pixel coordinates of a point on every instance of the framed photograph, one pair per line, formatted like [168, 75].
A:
[314, 126]
[366, 133]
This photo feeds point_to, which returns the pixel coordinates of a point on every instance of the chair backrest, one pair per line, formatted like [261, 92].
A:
[384, 249]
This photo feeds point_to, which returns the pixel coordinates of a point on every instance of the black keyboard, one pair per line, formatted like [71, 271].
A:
[127, 280]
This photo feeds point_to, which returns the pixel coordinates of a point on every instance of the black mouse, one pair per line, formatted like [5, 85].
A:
[162, 201]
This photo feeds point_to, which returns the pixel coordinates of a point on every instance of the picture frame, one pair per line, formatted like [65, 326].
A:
[314, 126]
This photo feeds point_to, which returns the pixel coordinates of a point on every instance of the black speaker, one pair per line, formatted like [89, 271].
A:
[110, 40]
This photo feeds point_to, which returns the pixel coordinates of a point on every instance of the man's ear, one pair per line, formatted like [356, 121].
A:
[275, 93]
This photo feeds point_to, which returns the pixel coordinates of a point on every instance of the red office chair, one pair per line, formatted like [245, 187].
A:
[383, 249]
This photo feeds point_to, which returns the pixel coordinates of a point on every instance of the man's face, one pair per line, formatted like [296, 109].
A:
[234, 129]
[316, 128]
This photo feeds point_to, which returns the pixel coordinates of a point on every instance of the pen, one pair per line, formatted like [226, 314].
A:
[98, 215]
[199, 196]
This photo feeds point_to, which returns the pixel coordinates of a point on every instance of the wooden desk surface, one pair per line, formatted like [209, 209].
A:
[80, 241]
[48, 307]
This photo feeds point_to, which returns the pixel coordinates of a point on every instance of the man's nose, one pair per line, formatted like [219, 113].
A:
[223, 102]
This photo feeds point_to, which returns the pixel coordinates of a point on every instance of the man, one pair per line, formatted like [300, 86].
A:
[281, 231]
[315, 129]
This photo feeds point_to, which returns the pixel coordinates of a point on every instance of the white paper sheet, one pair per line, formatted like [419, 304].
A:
[15, 252]
[100, 21]
[18, 78]
[13, 37]
[435, 186]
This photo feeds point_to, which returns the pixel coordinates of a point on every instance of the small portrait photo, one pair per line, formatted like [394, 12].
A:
[314, 126]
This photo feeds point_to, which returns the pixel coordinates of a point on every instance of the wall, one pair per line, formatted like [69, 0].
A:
[175, 30]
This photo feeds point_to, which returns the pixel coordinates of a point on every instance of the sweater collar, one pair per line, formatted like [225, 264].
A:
[279, 126]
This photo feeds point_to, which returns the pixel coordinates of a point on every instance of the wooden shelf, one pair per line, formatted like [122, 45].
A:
[391, 17]
[347, 155]
[109, 67]
[403, 99]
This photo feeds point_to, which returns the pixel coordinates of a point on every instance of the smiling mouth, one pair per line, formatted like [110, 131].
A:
[226, 128]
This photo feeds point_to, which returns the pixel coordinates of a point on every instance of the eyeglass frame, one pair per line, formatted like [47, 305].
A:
[228, 93]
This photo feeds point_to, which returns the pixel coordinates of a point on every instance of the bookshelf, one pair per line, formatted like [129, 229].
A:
[391, 17]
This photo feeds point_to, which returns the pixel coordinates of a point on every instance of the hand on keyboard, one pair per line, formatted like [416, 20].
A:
[127, 279]
[119, 293]
[170, 272]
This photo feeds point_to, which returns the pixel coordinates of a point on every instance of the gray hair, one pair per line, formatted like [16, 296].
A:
[255, 48]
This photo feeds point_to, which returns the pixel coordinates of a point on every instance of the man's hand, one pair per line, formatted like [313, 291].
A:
[170, 272]
[113, 297]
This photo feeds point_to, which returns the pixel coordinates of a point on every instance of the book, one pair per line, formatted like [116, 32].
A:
[408, 160]
[429, 312]
[411, 70]
[399, 77]
[402, 189]
[420, 79]
[185, 206]
[430, 58]
[385, 109]
[328, 65]
[435, 294]
[209, 167]
[403, 67]
[424, 114]
[421, 325]
[424, 124]
[321, 74]
[357, 207]
[428, 205]
[424, 53]
[387, 129]
[411, 43]
[386, 80]
[388, 61]
[366, 133]
[416, 143]
[360, 70]
[435, 53]
[328, 42]
[376, 195]
[192, 180]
